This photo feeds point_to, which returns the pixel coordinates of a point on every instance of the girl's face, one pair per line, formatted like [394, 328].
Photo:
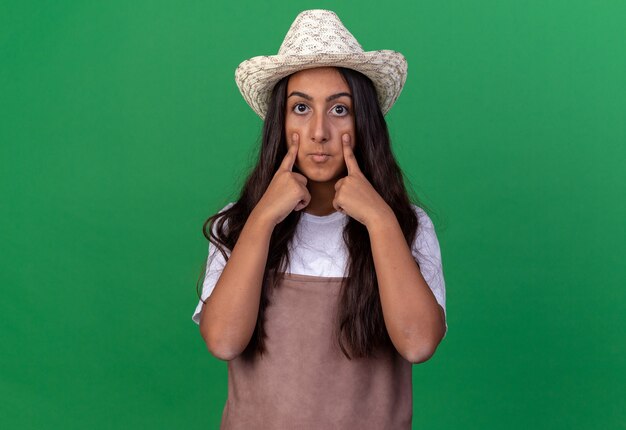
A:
[319, 110]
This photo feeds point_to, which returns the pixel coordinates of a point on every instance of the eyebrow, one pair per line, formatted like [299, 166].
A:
[308, 97]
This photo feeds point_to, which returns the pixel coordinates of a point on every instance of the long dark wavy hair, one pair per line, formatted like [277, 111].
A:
[360, 328]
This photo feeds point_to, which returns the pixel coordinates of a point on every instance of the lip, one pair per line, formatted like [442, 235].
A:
[319, 157]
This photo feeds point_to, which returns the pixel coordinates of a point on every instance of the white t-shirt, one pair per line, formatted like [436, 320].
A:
[318, 249]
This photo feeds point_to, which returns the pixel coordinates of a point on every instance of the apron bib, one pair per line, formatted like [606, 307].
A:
[304, 381]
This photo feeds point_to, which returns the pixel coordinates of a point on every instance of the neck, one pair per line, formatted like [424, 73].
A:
[322, 195]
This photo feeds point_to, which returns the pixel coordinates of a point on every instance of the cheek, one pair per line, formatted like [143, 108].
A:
[343, 126]
[292, 127]
[294, 122]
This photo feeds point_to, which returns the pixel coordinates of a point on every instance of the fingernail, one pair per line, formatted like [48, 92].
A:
[294, 136]
[346, 138]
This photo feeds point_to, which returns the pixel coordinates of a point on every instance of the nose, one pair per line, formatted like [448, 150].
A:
[320, 132]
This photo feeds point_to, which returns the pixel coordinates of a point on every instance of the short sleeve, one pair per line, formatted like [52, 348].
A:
[428, 254]
[214, 266]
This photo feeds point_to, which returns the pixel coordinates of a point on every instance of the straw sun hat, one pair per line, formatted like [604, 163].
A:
[318, 38]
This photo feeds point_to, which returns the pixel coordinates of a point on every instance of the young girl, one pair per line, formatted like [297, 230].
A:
[328, 282]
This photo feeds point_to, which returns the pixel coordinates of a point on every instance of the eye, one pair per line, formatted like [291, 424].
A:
[297, 108]
[341, 110]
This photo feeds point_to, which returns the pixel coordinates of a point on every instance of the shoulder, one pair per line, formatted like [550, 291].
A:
[423, 219]
[228, 206]
[425, 241]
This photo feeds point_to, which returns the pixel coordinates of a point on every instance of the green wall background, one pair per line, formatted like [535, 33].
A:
[122, 130]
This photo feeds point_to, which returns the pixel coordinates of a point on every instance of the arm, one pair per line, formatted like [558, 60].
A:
[229, 315]
[414, 320]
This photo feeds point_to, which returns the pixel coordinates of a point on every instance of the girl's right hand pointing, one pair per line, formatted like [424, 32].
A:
[287, 191]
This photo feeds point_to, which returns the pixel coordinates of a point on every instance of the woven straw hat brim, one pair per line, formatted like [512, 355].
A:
[257, 76]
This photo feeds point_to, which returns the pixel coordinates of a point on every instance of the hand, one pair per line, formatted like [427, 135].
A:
[287, 191]
[354, 195]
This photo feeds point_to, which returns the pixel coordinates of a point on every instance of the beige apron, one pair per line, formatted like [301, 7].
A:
[304, 381]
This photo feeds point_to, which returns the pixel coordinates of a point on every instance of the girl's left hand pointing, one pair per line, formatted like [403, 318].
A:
[354, 195]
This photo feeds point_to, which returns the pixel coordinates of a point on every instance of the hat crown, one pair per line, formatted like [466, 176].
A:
[318, 31]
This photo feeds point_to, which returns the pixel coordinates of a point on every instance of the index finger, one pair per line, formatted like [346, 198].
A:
[292, 152]
[348, 156]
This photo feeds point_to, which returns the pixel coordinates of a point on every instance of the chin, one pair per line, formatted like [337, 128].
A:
[320, 180]
[321, 176]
